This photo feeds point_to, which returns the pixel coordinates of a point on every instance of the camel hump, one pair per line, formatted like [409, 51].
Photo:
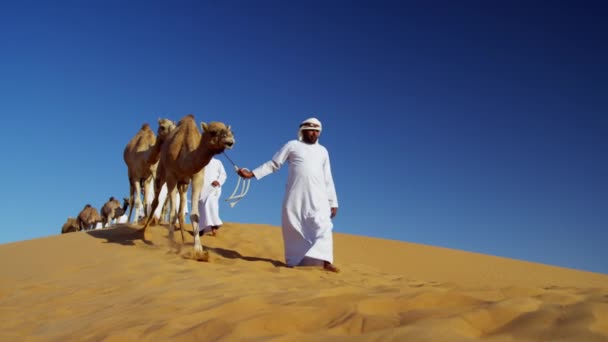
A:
[145, 126]
[187, 118]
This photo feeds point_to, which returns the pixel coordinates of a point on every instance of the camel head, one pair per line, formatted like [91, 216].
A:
[121, 211]
[217, 136]
[165, 126]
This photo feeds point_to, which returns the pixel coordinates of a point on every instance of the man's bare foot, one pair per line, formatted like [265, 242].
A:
[212, 231]
[328, 266]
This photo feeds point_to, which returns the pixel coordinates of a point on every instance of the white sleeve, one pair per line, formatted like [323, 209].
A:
[274, 164]
[329, 184]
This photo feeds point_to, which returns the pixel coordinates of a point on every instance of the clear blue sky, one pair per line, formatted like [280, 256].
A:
[473, 125]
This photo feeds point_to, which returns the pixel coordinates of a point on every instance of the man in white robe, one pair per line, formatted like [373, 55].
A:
[310, 200]
[208, 204]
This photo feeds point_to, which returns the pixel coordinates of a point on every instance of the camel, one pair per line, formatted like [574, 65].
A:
[107, 211]
[141, 155]
[111, 210]
[71, 225]
[88, 218]
[183, 157]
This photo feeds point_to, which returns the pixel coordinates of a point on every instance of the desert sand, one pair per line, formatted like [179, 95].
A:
[112, 285]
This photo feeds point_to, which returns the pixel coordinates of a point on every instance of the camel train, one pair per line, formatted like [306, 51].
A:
[89, 218]
[111, 212]
[174, 158]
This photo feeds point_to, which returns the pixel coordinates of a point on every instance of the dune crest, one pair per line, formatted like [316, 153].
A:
[112, 285]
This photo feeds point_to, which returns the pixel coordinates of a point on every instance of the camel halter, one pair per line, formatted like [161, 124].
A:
[241, 183]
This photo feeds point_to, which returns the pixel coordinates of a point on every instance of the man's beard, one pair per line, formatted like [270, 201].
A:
[310, 140]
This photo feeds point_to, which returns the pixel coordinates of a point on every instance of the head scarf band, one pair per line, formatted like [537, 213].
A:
[312, 124]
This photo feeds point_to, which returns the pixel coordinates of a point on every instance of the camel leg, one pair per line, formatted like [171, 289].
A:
[197, 183]
[148, 183]
[145, 190]
[157, 189]
[182, 190]
[138, 204]
[164, 211]
[172, 194]
[131, 197]
[163, 202]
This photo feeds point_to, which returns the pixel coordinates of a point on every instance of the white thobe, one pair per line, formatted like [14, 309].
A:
[208, 204]
[309, 196]
[122, 219]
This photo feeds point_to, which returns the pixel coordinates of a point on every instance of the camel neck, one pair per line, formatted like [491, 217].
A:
[154, 156]
[202, 156]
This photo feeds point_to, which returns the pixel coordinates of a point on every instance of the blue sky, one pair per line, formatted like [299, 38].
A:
[473, 125]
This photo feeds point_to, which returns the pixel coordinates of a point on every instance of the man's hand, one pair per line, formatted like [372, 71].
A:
[245, 173]
[334, 212]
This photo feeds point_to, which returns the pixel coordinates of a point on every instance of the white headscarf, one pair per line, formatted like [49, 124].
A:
[313, 121]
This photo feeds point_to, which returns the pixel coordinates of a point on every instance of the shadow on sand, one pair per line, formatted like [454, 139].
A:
[126, 235]
[231, 254]
[122, 234]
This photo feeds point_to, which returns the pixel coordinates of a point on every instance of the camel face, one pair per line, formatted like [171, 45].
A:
[165, 126]
[219, 136]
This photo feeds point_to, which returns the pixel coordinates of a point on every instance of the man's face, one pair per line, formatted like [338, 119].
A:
[310, 136]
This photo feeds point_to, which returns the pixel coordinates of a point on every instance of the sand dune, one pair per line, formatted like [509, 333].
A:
[110, 285]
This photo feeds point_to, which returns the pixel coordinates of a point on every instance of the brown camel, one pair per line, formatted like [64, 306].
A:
[71, 225]
[141, 155]
[88, 218]
[112, 210]
[183, 157]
